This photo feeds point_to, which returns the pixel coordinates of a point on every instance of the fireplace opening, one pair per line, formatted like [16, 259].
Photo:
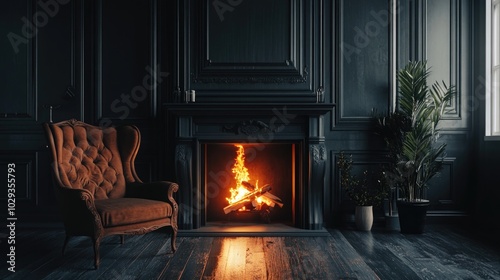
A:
[250, 183]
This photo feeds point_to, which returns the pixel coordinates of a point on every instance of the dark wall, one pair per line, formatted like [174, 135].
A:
[486, 193]
[95, 61]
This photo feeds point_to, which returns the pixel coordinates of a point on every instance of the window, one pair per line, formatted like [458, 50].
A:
[493, 69]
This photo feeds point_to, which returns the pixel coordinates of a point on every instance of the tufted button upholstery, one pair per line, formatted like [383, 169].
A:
[90, 159]
[97, 187]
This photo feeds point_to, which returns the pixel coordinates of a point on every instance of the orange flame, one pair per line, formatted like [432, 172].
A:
[240, 174]
[239, 169]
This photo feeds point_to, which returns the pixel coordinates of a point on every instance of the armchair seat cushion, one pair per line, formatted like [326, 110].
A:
[126, 211]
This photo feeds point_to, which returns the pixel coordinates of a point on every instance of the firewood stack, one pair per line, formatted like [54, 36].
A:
[258, 199]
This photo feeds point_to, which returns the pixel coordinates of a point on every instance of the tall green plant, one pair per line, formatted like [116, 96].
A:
[411, 132]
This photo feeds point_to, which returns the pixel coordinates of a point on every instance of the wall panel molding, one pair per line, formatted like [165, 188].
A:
[363, 41]
[126, 68]
[256, 50]
[60, 49]
[442, 189]
[27, 188]
[215, 68]
[25, 170]
[18, 94]
[453, 18]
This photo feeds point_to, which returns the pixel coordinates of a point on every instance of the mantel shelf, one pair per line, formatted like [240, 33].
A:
[200, 109]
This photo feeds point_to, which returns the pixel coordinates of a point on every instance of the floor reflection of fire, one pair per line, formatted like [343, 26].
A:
[246, 197]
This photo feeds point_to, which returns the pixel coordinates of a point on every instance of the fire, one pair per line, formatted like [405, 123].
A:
[241, 175]
[244, 193]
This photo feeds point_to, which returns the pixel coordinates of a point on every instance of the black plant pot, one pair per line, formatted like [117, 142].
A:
[412, 215]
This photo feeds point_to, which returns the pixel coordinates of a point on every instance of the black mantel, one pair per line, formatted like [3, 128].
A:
[200, 109]
[198, 123]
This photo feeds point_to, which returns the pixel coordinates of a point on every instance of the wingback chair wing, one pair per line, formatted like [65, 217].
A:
[97, 187]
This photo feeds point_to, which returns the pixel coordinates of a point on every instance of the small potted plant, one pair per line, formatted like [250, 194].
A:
[365, 192]
[411, 134]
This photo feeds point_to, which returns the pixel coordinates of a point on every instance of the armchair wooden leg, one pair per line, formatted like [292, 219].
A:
[97, 242]
[122, 239]
[172, 239]
[65, 243]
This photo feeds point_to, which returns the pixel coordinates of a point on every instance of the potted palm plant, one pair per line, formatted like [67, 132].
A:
[365, 192]
[411, 134]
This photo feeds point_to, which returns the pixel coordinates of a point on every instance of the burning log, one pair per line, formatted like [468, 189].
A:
[269, 196]
[246, 199]
[252, 196]
[274, 199]
[248, 195]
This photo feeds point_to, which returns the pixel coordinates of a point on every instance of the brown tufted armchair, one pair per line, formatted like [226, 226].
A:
[98, 189]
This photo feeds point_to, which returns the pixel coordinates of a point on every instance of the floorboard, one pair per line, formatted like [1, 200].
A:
[197, 262]
[277, 264]
[255, 262]
[442, 252]
[160, 259]
[345, 261]
[215, 255]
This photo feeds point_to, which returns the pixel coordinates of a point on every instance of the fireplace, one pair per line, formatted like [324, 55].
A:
[249, 182]
[283, 148]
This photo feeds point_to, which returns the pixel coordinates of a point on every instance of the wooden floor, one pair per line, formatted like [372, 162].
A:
[440, 253]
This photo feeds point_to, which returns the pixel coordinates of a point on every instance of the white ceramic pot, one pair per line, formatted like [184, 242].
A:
[364, 217]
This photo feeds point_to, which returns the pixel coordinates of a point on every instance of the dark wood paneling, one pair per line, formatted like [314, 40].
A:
[438, 39]
[146, 168]
[34, 199]
[84, 54]
[257, 37]
[45, 38]
[126, 64]
[36, 76]
[239, 51]
[484, 191]
[24, 175]
[446, 31]
[441, 188]
[363, 72]
[250, 41]
[17, 95]
[437, 30]
[115, 42]
[58, 52]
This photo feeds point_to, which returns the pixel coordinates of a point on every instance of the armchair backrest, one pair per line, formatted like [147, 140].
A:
[100, 160]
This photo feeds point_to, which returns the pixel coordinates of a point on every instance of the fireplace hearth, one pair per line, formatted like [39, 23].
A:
[249, 182]
[284, 145]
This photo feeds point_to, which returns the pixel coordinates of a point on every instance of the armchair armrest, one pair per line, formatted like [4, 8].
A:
[79, 212]
[160, 190]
